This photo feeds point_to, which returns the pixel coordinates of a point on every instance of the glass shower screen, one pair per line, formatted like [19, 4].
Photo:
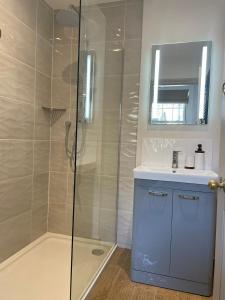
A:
[97, 146]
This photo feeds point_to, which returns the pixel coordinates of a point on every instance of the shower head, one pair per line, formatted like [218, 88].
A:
[68, 17]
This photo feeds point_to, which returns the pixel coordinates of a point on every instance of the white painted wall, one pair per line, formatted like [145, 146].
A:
[183, 21]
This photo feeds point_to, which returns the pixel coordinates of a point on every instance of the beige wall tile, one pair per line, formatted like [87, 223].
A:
[44, 56]
[109, 159]
[17, 39]
[85, 221]
[130, 104]
[73, 95]
[42, 124]
[114, 58]
[112, 92]
[17, 80]
[45, 20]
[41, 157]
[58, 188]
[108, 195]
[57, 218]
[126, 194]
[61, 92]
[72, 117]
[114, 18]
[111, 126]
[60, 219]
[16, 159]
[87, 190]
[63, 35]
[132, 57]
[58, 160]
[43, 90]
[124, 233]
[107, 4]
[39, 222]
[69, 219]
[40, 190]
[127, 160]
[25, 10]
[14, 125]
[129, 126]
[18, 231]
[64, 95]
[93, 134]
[15, 197]
[74, 58]
[131, 86]
[70, 188]
[133, 20]
[62, 61]
[140, 2]
[24, 178]
[108, 220]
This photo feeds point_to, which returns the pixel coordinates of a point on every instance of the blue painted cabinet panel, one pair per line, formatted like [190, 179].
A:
[152, 229]
[193, 233]
[174, 235]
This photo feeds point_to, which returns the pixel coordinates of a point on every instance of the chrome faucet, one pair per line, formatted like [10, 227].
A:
[175, 159]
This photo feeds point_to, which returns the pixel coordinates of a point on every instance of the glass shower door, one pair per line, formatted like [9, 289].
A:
[97, 146]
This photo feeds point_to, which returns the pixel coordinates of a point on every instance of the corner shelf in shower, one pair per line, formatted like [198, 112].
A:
[54, 112]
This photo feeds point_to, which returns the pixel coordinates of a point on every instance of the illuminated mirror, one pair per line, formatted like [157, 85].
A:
[180, 81]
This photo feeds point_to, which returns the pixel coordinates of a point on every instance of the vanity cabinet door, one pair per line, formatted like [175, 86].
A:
[152, 229]
[193, 231]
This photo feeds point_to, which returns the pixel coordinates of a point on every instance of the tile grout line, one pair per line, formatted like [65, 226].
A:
[22, 62]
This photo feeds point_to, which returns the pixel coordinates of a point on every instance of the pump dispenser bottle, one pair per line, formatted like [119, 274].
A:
[199, 158]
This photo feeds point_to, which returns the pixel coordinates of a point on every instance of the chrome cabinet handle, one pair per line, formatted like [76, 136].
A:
[188, 197]
[157, 194]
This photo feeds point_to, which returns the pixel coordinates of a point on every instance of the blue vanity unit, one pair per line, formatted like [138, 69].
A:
[174, 230]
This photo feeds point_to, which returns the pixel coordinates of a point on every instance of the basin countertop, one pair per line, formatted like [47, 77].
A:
[176, 175]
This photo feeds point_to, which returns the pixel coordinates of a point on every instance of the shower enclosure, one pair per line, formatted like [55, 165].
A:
[97, 150]
[61, 79]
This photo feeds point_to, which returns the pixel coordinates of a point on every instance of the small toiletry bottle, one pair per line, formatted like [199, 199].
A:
[190, 162]
[199, 158]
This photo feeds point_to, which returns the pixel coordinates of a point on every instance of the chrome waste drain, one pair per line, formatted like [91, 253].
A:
[98, 252]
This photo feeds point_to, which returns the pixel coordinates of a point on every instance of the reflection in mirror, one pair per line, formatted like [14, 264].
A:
[87, 80]
[180, 83]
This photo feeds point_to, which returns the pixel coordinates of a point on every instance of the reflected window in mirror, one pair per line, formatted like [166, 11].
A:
[180, 83]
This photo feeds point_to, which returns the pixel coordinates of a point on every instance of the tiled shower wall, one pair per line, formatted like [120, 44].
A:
[28, 82]
[96, 206]
[97, 183]
[130, 104]
[64, 82]
[25, 86]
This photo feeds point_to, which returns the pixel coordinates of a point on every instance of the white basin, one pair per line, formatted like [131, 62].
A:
[177, 175]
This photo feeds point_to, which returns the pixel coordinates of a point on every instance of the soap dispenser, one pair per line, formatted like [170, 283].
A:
[199, 158]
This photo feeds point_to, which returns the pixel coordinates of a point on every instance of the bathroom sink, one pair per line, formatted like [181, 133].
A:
[177, 175]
